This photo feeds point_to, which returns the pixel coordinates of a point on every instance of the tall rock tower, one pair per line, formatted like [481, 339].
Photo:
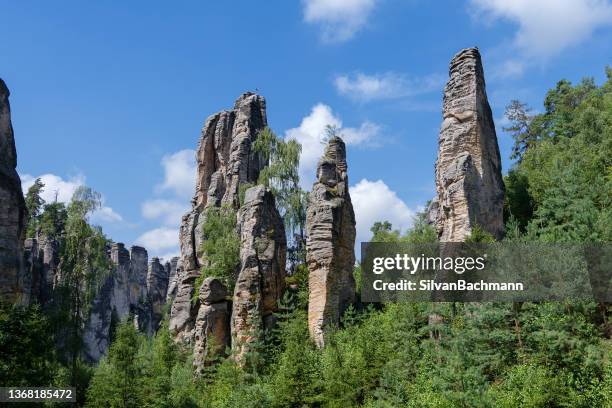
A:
[469, 183]
[261, 280]
[330, 246]
[225, 160]
[12, 209]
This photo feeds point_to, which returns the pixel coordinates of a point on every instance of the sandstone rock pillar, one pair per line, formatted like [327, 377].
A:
[171, 269]
[330, 244]
[469, 183]
[261, 280]
[12, 209]
[157, 286]
[212, 325]
[225, 161]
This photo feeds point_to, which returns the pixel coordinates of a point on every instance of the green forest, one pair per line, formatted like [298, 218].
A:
[549, 354]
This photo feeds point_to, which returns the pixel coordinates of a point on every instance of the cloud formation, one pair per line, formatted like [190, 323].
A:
[61, 190]
[374, 201]
[339, 20]
[547, 27]
[169, 212]
[390, 85]
[177, 187]
[179, 173]
[311, 132]
[159, 239]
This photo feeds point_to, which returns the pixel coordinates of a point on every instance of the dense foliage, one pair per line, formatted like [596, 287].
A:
[561, 188]
[220, 246]
[282, 158]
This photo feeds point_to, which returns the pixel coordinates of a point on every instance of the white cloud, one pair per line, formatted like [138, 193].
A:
[375, 201]
[339, 20]
[510, 68]
[106, 214]
[179, 173]
[173, 200]
[547, 27]
[310, 135]
[56, 188]
[389, 85]
[159, 239]
[169, 211]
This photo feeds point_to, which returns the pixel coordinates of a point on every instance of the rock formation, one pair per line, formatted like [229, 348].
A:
[330, 246]
[260, 283]
[157, 287]
[132, 289]
[139, 300]
[171, 269]
[40, 261]
[225, 161]
[12, 210]
[212, 325]
[468, 170]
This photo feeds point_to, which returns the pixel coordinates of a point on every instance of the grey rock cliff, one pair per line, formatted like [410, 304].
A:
[12, 211]
[139, 299]
[171, 270]
[134, 289]
[330, 244]
[212, 325]
[469, 183]
[261, 280]
[225, 161]
[157, 287]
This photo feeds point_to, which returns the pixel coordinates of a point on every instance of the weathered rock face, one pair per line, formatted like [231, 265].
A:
[12, 210]
[432, 211]
[225, 161]
[40, 262]
[260, 283]
[330, 246]
[468, 170]
[212, 325]
[137, 282]
[157, 287]
[50, 249]
[171, 270]
[133, 288]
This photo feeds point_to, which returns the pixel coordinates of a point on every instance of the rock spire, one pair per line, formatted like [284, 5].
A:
[12, 210]
[330, 246]
[469, 184]
[225, 161]
[261, 279]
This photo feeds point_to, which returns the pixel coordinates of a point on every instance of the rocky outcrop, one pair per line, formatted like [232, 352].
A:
[171, 271]
[212, 325]
[225, 161]
[330, 246]
[40, 261]
[469, 184]
[431, 212]
[157, 287]
[261, 279]
[139, 300]
[133, 290]
[12, 210]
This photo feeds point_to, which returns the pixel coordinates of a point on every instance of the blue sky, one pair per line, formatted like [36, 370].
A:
[114, 94]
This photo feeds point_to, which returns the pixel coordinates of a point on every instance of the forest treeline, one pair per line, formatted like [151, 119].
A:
[552, 354]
